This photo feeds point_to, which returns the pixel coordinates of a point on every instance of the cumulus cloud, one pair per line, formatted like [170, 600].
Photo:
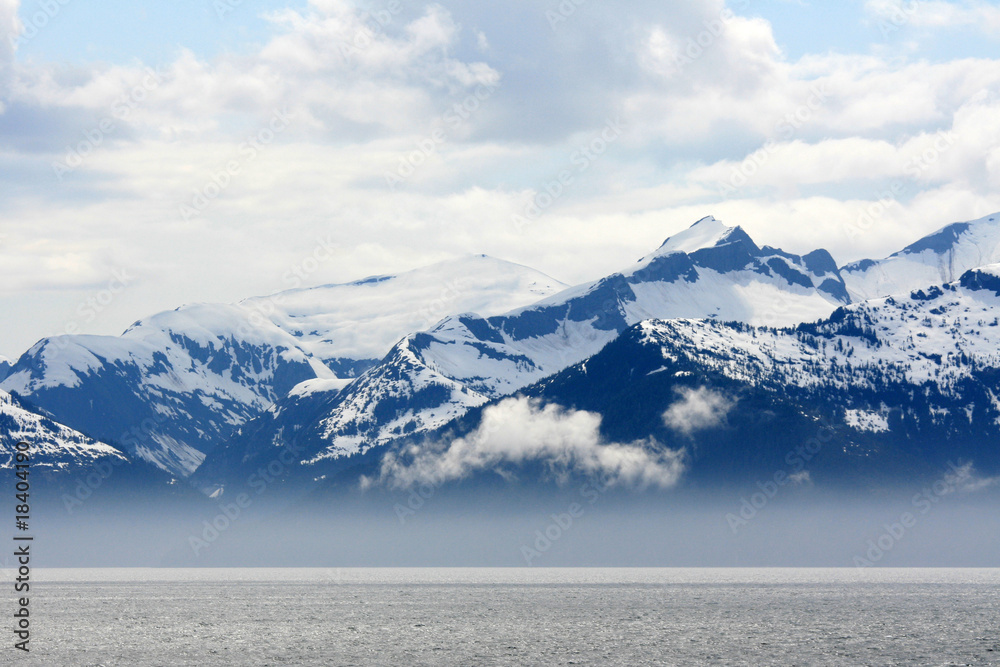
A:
[326, 63]
[697, 410]
[520, 431]
[362, 98]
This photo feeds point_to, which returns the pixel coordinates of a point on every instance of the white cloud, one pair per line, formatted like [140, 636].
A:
[326, 64]
[519, 431]
[357, 110]
[697, 410]
[945, 155]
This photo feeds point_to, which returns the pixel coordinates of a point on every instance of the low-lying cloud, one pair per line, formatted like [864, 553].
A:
[519, 431]
[966, 480]
[697, 410]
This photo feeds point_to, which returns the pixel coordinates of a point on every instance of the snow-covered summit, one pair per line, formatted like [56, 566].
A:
[711, 271]
[706, 233]
[177, 383]
[936, 259]
[365, 318]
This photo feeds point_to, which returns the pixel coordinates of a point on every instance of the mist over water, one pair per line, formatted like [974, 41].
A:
[578, 525]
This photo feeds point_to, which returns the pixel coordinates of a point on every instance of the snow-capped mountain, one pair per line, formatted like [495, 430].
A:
[176, 384]
[54, 448]
[169, 387]
[351, 326]
[5, 366]
[941, 257]
[897, 385]
[709, 271]
[884, 392]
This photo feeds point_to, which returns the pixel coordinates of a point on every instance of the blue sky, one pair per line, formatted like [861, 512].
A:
[119, 31]
[205, 155]
[153, 32]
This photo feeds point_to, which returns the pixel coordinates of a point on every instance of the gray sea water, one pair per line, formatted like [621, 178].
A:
[514, 617]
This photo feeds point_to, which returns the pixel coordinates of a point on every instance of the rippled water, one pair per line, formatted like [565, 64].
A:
[515, 617]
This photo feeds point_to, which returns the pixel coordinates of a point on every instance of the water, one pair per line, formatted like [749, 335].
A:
[515, 617]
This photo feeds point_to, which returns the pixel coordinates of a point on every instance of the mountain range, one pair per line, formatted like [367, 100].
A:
[707, 361]
[176, 384]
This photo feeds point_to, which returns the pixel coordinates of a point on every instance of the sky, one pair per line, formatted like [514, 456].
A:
[153, 155]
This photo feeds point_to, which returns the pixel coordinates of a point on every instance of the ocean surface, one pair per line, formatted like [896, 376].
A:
[525, 616]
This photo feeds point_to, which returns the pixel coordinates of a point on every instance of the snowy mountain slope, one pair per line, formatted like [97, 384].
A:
[170, 386]
[909, 382]
[5, 366]
[941, 257]
[709, 271]
[939, 336]
[878, 394]
[259, 440]
[885, 392]
[359, 322]
[176, 384]
[385, 403]
[54, 448]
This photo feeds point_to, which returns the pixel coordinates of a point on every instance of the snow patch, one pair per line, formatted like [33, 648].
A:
[865, 420]
[318, 386]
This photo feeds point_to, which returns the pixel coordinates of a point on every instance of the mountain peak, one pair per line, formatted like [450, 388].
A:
[945, 239]
[706, 233]
[938, 258]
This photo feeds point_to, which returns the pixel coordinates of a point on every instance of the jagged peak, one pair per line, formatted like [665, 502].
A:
[709, 232]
